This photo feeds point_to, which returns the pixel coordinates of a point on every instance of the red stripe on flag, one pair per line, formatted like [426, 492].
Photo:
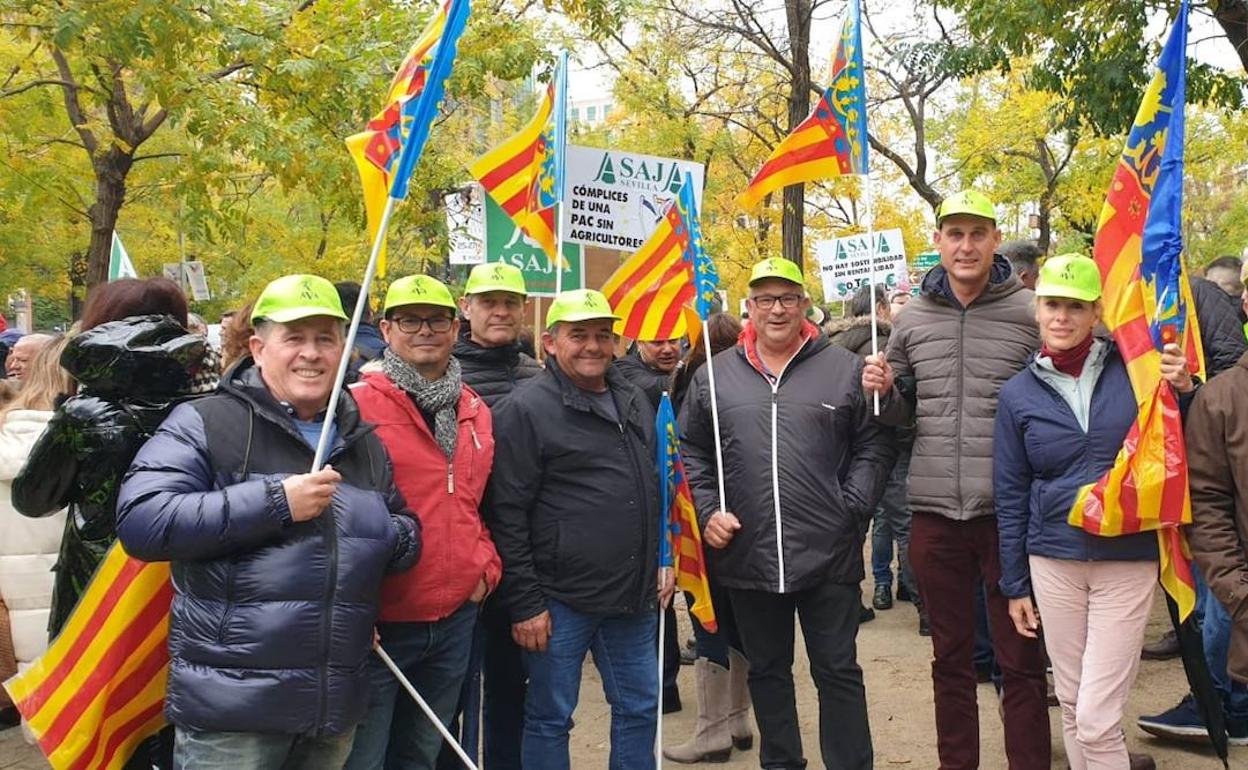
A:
[129, 728]
[637, 316]
[126, 691]
[660, 255]
[54, 678]
[1134, 339]
[509, 168]
[118, 652]
[817, 151]
[516, 203]
[675, 311]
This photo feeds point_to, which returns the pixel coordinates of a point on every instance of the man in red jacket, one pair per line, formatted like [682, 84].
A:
[439, 435]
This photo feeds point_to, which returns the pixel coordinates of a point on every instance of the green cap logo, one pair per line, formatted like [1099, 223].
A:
[579, 305]
[293, 297]
[418, 290]
[776, 267]
[495, 276]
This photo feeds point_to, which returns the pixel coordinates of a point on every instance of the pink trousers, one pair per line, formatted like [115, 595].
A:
[1093, 615]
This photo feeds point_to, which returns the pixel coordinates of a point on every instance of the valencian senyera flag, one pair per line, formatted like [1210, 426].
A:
[680, 541]
[653, 289]
[832, 140]
[523, 174]
[1139, 250]
[99, 690]
[386, 150]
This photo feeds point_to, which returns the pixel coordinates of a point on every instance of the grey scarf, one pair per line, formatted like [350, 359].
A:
[438, 397]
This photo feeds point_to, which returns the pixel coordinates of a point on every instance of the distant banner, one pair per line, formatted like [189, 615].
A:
[615, 199]
[504, 242]
[845, 266]
[465, 226]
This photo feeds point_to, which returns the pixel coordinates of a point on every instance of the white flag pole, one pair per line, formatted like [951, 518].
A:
[875, 329]
[658, 730]
[433, 718]
[561, 146]
[719, 452]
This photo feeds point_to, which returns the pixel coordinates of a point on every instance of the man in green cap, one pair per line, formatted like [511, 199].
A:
[277, 570]
[805, 466]
[573, 505]
[440, 439]
[971, 329]
[493, 365]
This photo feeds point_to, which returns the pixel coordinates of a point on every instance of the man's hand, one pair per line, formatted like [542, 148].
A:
[1174, 369]
[720, 528]
[478, 594]
[1025, 616]
[533, 634]
[308, 494]
[667, 586]
[877, 375]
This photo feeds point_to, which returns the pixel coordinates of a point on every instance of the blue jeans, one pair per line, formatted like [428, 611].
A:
[258, 751]
[625, 653]
[504, 678]
[395, 733]
[1215, 631]
[892, 523]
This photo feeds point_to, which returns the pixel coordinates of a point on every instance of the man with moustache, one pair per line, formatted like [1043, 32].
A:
[573, 507]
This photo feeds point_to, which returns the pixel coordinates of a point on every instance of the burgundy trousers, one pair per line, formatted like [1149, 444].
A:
[949, 559]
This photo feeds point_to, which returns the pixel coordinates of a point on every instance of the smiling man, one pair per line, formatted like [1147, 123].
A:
[972, 328]
[805, 466]
[573, 505]
[277, 571]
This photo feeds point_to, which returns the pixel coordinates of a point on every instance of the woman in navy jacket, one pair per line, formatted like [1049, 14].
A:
[1060, 424]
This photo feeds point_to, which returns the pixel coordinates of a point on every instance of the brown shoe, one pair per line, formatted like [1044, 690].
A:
[1165, 648]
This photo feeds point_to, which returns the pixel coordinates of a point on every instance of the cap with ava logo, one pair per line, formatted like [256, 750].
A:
[1072, 276]
[495, 276]
[971, 202]
[579, 305]
[776, 267]
[418, 290]
[293, 297]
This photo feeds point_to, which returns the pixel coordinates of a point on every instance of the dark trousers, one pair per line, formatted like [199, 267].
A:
[670, 691]
[829, 616]
[504, 680]
[950, 559]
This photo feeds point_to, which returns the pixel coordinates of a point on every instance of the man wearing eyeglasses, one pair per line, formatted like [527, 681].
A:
[804, 467]
[439, 435]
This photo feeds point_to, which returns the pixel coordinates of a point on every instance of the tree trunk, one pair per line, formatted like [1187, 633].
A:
[793, 219]
[1045, 238]
[1232, 15]
[111, 169]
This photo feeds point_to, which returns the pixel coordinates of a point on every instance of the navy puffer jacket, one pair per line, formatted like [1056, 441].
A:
[272, 620]
[1042, 456]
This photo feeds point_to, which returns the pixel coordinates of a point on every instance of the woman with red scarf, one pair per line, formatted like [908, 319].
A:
[1060, 423]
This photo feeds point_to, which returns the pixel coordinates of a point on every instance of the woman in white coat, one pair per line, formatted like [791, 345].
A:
[28, 547]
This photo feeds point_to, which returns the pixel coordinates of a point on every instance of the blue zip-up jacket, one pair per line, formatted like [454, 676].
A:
[1042, 456]
[272, 620]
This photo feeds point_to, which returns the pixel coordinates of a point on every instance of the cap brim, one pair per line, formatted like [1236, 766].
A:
[587, 316]
[1082, 296]
[449, 305]
[943, 217]
[487, 289]
[286, 315]
[780, 277]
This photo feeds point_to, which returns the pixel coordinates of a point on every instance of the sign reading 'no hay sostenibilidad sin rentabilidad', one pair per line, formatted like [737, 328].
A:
[845, 266]
[615, 199]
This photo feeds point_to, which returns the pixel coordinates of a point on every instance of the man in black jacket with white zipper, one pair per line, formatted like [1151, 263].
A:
[804, 467]
[573, 506]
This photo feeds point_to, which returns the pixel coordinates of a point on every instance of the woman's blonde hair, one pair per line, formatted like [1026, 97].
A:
[44, 382]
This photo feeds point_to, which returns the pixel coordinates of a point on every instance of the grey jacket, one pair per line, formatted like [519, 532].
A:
[950, 362]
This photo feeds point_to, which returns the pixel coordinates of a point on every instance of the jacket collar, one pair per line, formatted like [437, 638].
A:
[1001, 283]
[243, 381]
[747, 346]
[574, 398]
[466, 349]
[466, 409]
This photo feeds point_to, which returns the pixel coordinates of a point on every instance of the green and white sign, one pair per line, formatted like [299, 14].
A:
[504, 242]
[926, 261]
[845, 264]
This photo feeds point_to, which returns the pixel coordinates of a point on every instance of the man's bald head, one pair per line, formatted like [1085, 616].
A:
[23, 351]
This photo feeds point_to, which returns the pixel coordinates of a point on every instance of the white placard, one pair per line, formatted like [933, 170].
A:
[199, 282]
[465, 226]
[844, 265]
[615, 199]
[173, 271]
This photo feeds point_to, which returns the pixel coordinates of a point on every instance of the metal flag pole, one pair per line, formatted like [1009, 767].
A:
[875, 329]
[658, 729]
[433, 718]
[561, 145]
[719, 452]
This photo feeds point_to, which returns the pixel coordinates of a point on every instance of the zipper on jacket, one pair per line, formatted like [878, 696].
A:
[641, 496]
[450, 478]
[957, 455]
[327, 626]
[775, 476]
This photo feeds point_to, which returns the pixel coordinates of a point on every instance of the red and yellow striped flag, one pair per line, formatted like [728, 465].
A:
[99, 690]
[519, 176]
[680, 539]
[1148, 303]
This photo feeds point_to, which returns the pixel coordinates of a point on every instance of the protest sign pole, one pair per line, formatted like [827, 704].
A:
[433, 718]
[561, 145]
[658, 730]
[719, 452]
[875, 329]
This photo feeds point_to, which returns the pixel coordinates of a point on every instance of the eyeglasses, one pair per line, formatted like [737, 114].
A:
[411, 324]
[768, 301]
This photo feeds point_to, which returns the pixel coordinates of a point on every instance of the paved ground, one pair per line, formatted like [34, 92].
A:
[896, 664]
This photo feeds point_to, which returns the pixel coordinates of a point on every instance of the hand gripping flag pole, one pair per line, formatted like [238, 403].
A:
[418, 117]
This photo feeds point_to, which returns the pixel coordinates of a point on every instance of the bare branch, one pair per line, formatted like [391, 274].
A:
[73, 106]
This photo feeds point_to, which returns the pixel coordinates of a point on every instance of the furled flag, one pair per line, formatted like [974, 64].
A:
[119, 264]
[832, 141]
[650, 290]
[523, 174]
[680, 541]
[100, 688]
[385, 152]
[1148, 303]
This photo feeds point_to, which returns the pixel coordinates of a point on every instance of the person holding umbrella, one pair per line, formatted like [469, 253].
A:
[1060, 424]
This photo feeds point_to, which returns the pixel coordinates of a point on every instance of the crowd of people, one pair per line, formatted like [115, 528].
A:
[490, 521]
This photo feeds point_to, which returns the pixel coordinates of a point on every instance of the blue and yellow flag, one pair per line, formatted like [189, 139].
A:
[680, 540]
